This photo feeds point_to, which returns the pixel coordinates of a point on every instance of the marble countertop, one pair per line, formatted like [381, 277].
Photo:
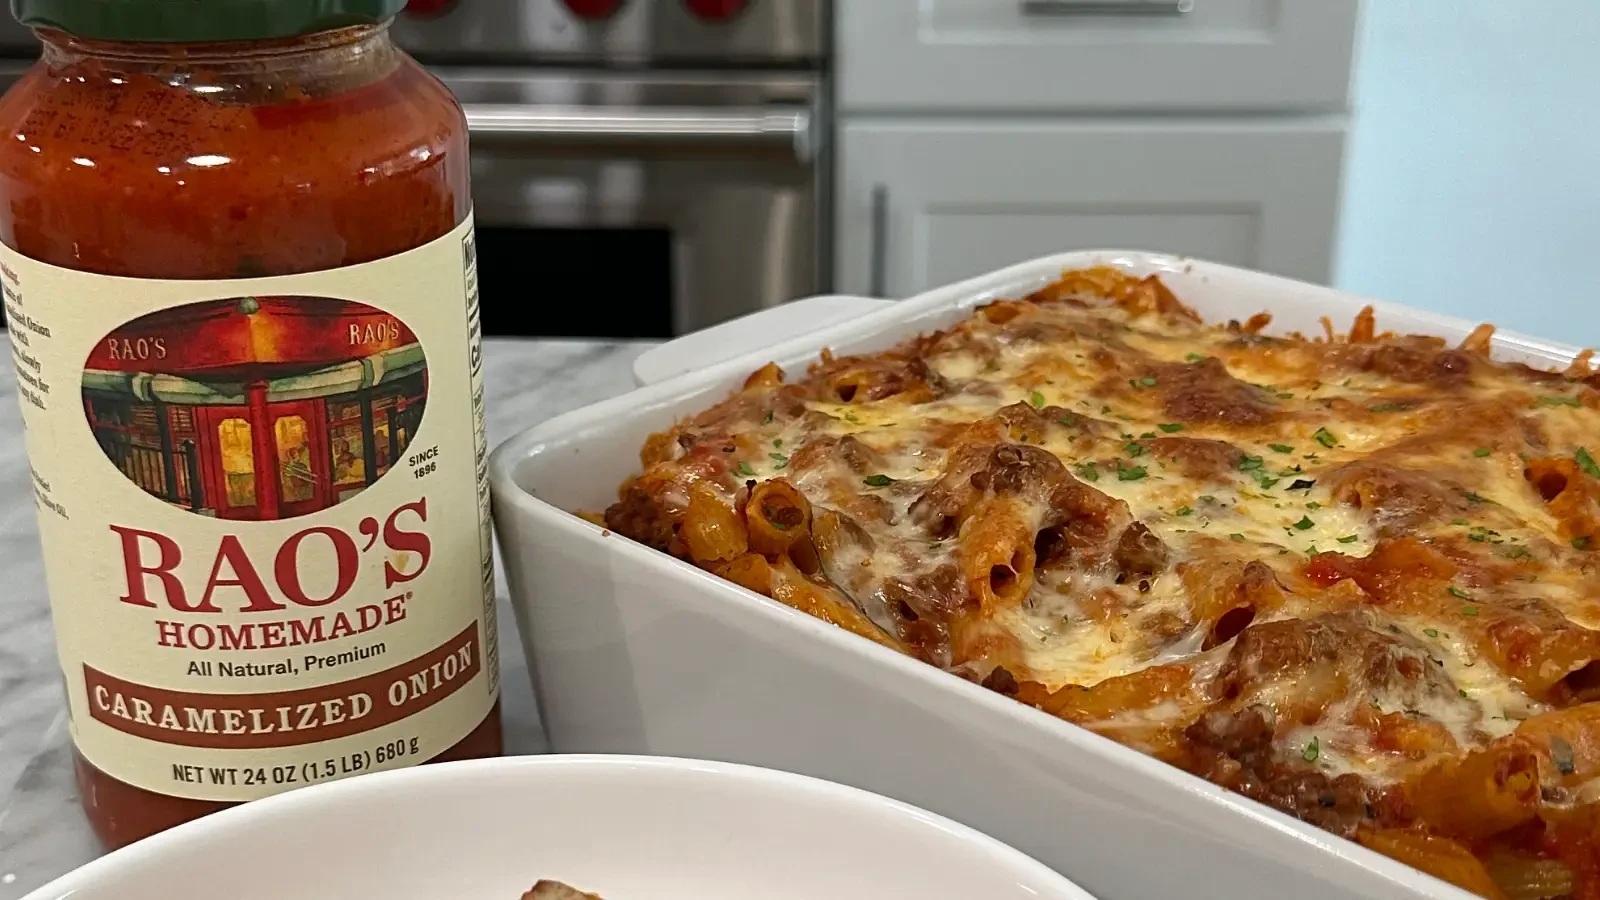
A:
[42, 831]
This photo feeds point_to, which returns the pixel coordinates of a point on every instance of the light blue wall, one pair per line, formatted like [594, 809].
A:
[1472, 184]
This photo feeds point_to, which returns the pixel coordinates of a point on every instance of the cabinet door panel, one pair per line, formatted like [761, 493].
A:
[1051, 55]
[924, 204]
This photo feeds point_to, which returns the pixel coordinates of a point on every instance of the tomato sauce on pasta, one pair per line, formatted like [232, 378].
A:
[1351, 576]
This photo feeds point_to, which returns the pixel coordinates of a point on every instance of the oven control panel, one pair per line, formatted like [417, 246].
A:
[608, 32]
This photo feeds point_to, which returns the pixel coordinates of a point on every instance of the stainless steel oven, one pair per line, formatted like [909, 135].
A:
[640, 167]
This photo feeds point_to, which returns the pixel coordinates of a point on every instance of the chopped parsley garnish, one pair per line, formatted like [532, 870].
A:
[1133, 474]
[851, 417]
[1185, 511]
[1515, 551]
[1312, 751]
[1481, 452]
[1474, 498]
[1325, 437]
[1313, 505]
[1302, 484]
[1250, 462]
[1462, 692]
[1266, 481]
[1148, 381]
[1088, 472]
[1458, 521]
[1195, 357]
[1582, 542]
[1104, 410]
[1389, 407]
[1304, 523]
[777, 442]
[1280, 448]
[1147, 435]
[1236, 536]
[1134, 448]
[878, 480]
[1469, 610]
[1170, 427]
[1586, 462]
[744, 469]
[1458, 593]
[1431, 632]
[781, 461]
[1285, 395]
[1349, 539]
[767, 419]
[1553, 400]
[1037, 399]
[1068, 421]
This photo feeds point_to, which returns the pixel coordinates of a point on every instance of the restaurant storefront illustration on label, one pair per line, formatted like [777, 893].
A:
[256, 407]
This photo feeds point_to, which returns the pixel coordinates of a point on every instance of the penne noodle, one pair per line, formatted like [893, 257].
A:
[1440, 857]
[1480, 341]
[1090, 703]
[1365, 328]
[768, 375]
[778, 517]
[1569, 739]
[749, 571]
[791, 588]
[1225, 596]
[712, 531]
[995, 550]
[1480, 794]
[982, 646]
[1531, 878]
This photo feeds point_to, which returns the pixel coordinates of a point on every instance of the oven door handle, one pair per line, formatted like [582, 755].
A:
[660, 128]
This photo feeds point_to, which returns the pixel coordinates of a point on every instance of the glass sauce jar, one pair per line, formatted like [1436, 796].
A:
[241, 285]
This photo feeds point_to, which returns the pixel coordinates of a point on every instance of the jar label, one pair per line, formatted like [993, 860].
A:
[264, 507]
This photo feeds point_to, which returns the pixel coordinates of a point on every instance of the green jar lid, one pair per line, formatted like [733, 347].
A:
[200, 21]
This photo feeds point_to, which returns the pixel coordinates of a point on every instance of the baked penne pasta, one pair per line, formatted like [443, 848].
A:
[1354, 576]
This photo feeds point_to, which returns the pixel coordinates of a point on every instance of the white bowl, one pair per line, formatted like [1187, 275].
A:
[627, 828]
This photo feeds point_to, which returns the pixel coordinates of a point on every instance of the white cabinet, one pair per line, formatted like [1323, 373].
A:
[1093, 55]
[924, 203]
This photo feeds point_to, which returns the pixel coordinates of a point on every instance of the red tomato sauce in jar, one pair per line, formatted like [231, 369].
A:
[264, 149]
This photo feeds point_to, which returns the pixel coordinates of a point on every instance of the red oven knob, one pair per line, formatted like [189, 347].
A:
[593, 9]
[428, 7]
[716, 10]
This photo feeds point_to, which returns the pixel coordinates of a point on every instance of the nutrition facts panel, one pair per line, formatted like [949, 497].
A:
[480, 436]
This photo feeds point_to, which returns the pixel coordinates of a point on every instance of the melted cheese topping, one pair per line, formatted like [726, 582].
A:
[1377, 552]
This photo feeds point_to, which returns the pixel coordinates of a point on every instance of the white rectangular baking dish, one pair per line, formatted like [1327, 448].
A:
[633, 651]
